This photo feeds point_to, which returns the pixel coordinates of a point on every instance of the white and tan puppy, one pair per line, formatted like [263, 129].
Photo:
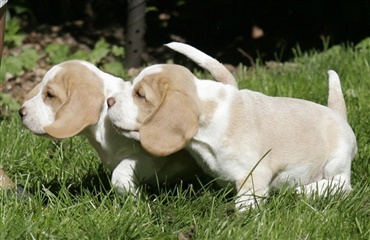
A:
[71, 100]
[229, 130]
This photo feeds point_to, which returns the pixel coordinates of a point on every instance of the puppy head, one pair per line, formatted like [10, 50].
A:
[67, 100]
[162, 107]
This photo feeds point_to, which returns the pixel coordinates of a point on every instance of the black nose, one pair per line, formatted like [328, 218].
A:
[22, 112]
[111, 101]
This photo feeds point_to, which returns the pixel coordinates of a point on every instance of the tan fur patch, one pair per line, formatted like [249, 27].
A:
[76, 95]
[168, 111]
[208, 108]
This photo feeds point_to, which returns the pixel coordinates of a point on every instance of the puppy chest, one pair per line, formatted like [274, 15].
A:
[215, 161]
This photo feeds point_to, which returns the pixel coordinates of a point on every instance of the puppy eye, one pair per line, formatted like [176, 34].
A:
[140, 94]
[50, 94]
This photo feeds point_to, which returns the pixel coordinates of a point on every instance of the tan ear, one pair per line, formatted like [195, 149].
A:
[81, 109]
[172, 124]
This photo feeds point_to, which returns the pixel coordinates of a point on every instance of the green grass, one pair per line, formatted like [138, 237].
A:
[72, 198]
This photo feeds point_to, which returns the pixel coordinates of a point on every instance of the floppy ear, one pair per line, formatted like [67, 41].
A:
[172, 125]
[81, 109]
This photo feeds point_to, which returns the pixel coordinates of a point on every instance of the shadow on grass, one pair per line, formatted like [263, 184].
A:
[98, 183]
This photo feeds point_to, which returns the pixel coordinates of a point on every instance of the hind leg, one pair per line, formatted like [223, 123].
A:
[336, 175]
[339, 183]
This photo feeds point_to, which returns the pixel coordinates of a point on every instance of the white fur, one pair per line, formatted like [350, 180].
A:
[205, 61]
[42, 115]
[311, 145]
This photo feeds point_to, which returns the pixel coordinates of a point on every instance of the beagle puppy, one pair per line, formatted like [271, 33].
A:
[71, 100]
[254, 141]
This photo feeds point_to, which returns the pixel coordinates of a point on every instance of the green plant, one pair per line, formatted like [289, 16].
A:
[16, 65]
[7, 104]
[115, 68]
[364, 45]
[26, 59]
[58, 53]
[13, 37]
[100, 51]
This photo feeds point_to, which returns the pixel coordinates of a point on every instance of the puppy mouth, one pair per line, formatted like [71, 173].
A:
[130, 133]
[38, 132]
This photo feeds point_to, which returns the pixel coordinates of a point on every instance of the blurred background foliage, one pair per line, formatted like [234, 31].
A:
[231, 30]
[41, 33]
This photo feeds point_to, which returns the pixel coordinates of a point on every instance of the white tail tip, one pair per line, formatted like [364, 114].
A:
[333, 74]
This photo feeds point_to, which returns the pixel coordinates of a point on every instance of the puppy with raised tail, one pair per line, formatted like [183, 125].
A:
[229, 131]
[71, 100]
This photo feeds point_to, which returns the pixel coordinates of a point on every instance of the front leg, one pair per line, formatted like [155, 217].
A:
[124, 178]
[250, 191]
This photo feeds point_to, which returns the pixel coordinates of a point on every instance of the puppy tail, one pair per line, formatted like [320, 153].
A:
[218, 70]
[336, 100]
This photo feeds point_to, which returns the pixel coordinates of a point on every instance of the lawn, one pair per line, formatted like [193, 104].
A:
[71, 197]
